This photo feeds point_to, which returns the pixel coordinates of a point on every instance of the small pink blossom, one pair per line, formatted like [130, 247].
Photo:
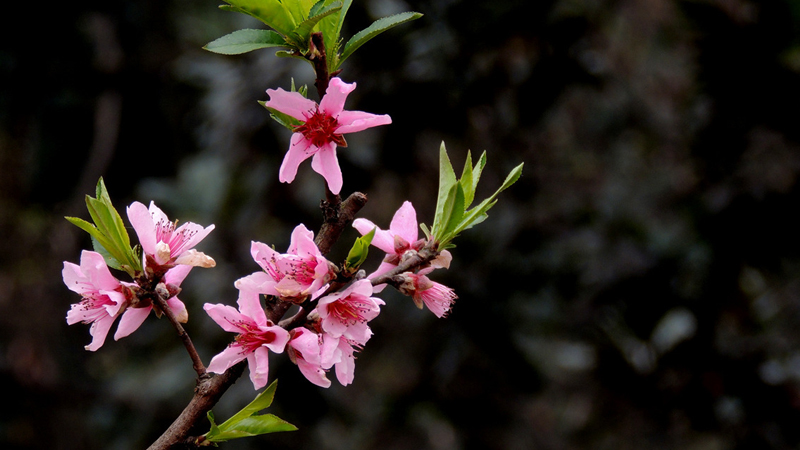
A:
[315, 353]
[400, 238]
[321, 131]
[347, 312]
[256, 337]
[162, 241]
[103, 296]
[292, 276]
[436, 296]
[135, 315]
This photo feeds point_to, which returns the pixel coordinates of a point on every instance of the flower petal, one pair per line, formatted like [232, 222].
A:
[258, 362]
[291, 103]
[226, 316]
[226, 359]
[131, 320]
[336, 94]
[99, 331]
[382, 238]
[142, 222]
[404, 223]
[353, 121]
[300, 149]
[326, 164]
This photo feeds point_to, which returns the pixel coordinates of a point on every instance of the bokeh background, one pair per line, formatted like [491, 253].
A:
[637, 288]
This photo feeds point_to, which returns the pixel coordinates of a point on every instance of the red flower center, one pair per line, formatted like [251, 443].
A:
[320, 129]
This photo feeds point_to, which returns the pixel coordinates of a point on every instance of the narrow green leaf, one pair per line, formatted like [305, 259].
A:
[316, 8]
[466, 181]
[477, 170]
[376, 28]
[271, 12]
[253, 426]
[262, 401]
[214, 428]
[246, 40]
[447, 178]
[456, 210]
[425, 230]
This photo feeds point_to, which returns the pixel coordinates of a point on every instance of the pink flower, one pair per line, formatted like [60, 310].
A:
[256, 336]
[103, 296]
[346, 313]
[436, 296]
[321, 131]
[291, 276]
[135, 315]
[166, 244]
[313, 353]
[401, 237]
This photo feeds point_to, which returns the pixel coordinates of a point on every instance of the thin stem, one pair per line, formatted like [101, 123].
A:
[197, 363]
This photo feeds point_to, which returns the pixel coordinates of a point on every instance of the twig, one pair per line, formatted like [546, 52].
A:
[197, 363]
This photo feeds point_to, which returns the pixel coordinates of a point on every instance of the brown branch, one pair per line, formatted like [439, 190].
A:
[207, 393]
[425, 255]
[336, 217]
[197, 363]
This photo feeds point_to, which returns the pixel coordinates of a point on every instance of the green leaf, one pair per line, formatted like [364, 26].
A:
[425, 230]
[302, 33]
[246, 40]
[447, 179]
[298, 9]
[246, 423]
[271, 12]
[376, 28]
[358, 253]
[455, 196]
[108, 232]
[253, 426]
[455, 209]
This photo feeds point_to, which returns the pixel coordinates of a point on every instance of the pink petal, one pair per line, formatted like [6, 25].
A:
[177, 274]
[313, 373]
[178, 309]
[404, 223]
[326, 164]
[256, 283]
[99, 331]
[336, 94]
[291, 103]
[258, 362]
[142, 222]
[225, 316]
[382, 239]
[302, 242]
[346, 367]
[226, 359]
[131, 320]
[300, 149]
[353, 121]
[263, 254]
[73, 277]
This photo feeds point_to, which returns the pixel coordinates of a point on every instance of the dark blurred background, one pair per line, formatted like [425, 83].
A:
[637, 288]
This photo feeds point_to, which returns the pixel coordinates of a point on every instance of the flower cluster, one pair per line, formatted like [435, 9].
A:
[168, 255]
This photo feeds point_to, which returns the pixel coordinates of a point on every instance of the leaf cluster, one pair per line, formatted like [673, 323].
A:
[293, 21]
[453, 212]
[109, 236]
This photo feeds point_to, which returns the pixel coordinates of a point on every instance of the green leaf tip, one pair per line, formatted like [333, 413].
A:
[453, 213]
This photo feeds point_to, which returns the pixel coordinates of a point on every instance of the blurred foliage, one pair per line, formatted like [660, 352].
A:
[637, 288]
